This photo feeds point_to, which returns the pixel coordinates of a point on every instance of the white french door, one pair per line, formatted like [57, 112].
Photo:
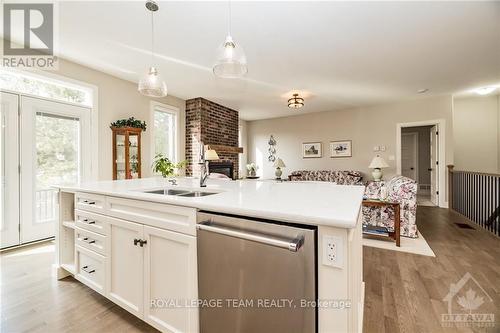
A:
[42, 143]
[9, 170]
[54, 151]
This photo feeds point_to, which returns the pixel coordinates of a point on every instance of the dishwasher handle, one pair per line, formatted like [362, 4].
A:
[293, 245]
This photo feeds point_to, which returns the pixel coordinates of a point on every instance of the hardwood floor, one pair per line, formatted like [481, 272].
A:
[404, 292]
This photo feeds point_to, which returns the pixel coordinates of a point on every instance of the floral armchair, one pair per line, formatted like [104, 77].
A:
[400, 189]
[336, 176]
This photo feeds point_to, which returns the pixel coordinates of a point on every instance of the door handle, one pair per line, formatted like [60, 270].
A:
[430, 169]
[412, 168]
[292, 245]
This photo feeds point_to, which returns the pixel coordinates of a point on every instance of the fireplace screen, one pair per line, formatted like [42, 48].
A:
[223, 167]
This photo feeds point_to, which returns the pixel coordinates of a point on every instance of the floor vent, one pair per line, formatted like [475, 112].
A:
[464, 226]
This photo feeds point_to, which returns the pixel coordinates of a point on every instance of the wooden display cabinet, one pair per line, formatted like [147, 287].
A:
[126, 152]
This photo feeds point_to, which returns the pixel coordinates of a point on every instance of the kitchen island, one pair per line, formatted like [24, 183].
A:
[135, 242]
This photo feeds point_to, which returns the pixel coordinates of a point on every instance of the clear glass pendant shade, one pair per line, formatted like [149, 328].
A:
[152, 84]
[231, 60]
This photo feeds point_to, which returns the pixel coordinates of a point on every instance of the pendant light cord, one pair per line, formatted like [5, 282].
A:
[152, 39]
[229, 18]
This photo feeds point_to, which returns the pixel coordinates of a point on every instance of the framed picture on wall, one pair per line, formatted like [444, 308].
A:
[311, 149]
[341, 148]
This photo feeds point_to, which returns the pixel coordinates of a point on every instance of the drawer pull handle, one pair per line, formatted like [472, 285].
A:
[136, 241]
[86, 269]
[88, 221]
[86, 239]
[143, 242]
[89, 202]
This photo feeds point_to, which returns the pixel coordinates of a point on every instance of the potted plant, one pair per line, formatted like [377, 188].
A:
[167, 168]
[130, 122]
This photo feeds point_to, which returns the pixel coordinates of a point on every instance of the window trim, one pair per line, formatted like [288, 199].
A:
[168, 109]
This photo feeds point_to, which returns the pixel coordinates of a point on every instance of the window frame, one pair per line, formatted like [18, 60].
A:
[166, 109]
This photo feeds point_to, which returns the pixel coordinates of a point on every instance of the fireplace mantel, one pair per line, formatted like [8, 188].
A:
[226, 149]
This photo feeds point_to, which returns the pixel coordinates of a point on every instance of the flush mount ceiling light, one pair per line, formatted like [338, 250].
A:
[231, 61]
[152, 84]
[295, 102]
[485, 90]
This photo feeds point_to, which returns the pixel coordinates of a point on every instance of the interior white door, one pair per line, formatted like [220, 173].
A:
[409, 149]
[9, 170]
[55, 149]
[434, 166]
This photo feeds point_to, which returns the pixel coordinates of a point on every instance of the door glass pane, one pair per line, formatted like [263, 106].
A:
[57, 153]
[3, 125]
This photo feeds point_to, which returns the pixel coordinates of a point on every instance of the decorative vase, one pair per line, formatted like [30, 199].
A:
[252, 173]
[377, 174]
[278, 173]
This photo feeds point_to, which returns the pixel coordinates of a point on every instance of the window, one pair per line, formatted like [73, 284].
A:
[32, 84]
[165, 130]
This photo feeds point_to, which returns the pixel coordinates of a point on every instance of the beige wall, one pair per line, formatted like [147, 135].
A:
[120, 99]
[476, 127]
[366, 127]
[243, 127]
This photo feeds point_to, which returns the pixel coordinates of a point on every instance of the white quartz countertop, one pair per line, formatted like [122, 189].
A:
[315, 203]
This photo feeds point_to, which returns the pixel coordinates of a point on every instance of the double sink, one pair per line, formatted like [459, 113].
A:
[181, 193]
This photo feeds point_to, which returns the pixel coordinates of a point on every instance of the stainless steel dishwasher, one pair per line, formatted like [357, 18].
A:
[255, 276]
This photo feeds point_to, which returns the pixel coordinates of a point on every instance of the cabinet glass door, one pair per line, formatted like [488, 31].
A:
[133, 156]
[121, 171]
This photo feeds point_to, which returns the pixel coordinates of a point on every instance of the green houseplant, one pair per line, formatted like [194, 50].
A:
[167, 168]
[130, 122]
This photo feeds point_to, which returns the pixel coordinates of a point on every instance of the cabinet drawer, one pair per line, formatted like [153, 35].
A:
[90, 221]
[90, 202]
[90, 269]
[164, 216]
[90, 240]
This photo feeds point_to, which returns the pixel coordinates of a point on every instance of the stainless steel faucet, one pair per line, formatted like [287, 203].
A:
[203, 166]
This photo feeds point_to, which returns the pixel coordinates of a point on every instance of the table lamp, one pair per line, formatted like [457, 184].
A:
[377, 164]
[279, 164]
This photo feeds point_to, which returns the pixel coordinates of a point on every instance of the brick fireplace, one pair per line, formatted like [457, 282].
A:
[216, 126]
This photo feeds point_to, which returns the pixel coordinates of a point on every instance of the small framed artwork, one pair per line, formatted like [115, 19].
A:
[311, 149]
[341, 148]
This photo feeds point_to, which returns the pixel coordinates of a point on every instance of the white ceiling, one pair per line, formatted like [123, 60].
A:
[340, 54]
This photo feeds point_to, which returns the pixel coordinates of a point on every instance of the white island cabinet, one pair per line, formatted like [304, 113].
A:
[139, 267]
[137, 246]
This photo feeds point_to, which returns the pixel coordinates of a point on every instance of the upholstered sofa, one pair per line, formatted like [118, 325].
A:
[399, 189]
[336, 176]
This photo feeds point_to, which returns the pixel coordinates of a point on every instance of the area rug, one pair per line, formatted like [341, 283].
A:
[410, 245]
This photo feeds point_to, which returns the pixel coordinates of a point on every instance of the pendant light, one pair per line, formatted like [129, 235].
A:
[152, 84]
[231, 60]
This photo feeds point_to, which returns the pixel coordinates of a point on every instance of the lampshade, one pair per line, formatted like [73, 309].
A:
[231, 60]
[279, 163]
[152, 84]
[211, 155]
[378, 163]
